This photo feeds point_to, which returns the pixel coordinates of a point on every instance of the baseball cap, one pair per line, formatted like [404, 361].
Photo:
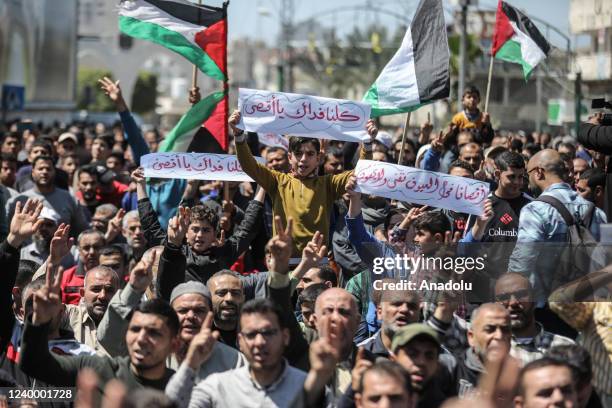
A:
[409, 332]
[67, 136]
[105, 175]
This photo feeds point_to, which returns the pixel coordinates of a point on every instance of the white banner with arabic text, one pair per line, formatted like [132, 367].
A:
[424, 187]
[196, 166]
[302, 115]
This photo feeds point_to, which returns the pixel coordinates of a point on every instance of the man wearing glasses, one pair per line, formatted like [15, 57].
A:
[529, 339]
[543, 233]
[267, 381]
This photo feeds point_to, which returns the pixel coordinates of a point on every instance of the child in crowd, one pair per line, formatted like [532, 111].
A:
[472, 119]
[302, 194]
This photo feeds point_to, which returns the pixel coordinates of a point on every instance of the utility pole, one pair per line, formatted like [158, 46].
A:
[462, 52]
[287, 11]
[578, 102]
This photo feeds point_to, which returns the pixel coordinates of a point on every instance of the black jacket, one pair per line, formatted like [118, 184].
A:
[597, 137]
[467, 373]
[180, 264]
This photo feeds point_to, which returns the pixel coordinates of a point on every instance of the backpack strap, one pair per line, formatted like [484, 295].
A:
[587, 220]
[558, 205]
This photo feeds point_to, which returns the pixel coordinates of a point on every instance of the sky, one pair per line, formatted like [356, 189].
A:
[259, 19]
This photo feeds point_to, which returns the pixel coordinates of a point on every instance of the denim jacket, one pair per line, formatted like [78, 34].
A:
[540, 222]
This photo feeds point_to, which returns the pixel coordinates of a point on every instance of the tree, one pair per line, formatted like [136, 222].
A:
[350, 68]
[145, 93]
[89, 95]
[473, 51]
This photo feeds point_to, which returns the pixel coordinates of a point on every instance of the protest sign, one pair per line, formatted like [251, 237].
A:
[273, 140]
[417, 186]
[198, 166]
[302, 115]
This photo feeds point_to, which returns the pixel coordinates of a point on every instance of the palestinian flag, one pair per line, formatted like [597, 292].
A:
[516, 39]
[198, 33]
[184, 137]
[419, 71]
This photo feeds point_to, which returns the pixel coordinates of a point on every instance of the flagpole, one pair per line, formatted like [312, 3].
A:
[194, 73]
[194, 77]
[401, 153]
[486, 106]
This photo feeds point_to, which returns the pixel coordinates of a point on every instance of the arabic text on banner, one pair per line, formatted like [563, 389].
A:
[417, 186]
[197, 166]
[302, 115]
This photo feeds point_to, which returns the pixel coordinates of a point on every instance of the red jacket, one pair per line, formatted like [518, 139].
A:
[112, 197]
[72, 282]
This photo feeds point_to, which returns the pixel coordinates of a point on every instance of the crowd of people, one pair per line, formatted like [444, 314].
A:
[184, 293]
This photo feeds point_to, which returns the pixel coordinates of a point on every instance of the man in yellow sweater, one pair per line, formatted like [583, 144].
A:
[301, 194]
[472, 119]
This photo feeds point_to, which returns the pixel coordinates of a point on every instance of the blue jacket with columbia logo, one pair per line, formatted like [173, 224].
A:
[540, 222]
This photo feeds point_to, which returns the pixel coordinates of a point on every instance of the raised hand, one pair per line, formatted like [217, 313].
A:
[350, 187]
[481, 222]
[48, 299]
[142, 274]
[113, 91]
[114, 226]
[138, 176]
[202, 344]
[178, 226]
[194, 95]
[426, 129]
[87, 385]
[361, 364]
[260, 195]
[247, 188]
[371, 129]
[413, 214]
[450, 238]
[60, 244]
[437, 143]
[234, 119]
[314, 251]
[481, 173]
[323, 358]
[280, 246]
[450, 131]
[225, 222]
[353, 196]
[25, 222]
[219, 241]
[486, 118]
